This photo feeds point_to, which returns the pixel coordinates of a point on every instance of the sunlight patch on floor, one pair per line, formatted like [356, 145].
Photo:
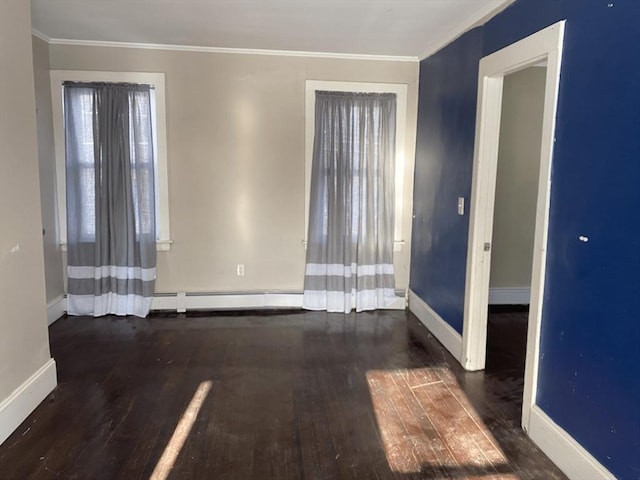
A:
[426, 424]
[180, 434]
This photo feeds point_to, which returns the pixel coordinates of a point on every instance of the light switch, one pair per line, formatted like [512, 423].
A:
[460, 205]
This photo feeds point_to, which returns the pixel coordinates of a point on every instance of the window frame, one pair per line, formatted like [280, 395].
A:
[156, 80]
[400, 89]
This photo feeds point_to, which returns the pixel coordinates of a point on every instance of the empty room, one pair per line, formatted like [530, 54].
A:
[314, 240]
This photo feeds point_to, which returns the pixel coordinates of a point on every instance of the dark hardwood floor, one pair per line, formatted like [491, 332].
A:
[285, 395]
[506, 352]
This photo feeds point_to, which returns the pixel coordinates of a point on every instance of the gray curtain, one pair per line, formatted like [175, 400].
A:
[351, 218]
[111, 237]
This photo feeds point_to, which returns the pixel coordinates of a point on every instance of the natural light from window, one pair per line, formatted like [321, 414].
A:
[311, 86]
[181, 433]
[156, 80]
[449, 437]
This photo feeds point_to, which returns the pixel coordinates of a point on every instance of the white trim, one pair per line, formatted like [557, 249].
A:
[164, 245]
[509, 296]
[398, 245]
[56, 309]
[182, 301]
[160, 137]
[400, 89]
[40, 35]
[399, 303]
[563, 450]
[543, 45]
[226, 50]
[24, 400]
[445, 333]
[479, 17]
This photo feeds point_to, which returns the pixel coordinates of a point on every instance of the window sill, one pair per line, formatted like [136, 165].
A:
[163, 245]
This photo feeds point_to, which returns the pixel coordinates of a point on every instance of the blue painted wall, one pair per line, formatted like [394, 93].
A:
[589, 381]
[444, 164]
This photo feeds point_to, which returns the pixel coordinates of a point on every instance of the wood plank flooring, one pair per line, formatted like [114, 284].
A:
[278, 395]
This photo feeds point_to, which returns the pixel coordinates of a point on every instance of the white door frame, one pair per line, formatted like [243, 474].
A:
[543, 46]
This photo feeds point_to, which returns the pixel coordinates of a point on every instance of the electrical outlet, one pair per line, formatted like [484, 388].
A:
[240, 270]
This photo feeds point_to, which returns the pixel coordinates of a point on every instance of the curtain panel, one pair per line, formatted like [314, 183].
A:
[111, 235]
[351, 219]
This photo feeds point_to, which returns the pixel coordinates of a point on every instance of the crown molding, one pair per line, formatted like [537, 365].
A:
[478, 18]
[225, 50]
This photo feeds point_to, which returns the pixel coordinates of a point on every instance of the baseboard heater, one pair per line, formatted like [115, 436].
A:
[183, 301]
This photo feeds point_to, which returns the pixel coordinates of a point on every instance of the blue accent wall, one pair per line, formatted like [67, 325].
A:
[443, 169]
[589, 380]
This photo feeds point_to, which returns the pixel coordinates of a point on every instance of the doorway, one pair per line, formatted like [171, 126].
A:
[543, 47]
[512, 236]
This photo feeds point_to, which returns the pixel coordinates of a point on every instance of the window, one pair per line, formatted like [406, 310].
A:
[351, 219]
[157, 112]
[401, 95]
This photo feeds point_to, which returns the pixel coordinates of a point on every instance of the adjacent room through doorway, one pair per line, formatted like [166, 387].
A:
[513, 229]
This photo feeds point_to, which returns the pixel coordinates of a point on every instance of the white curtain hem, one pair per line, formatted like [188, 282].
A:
[345, 302]
[108, 304]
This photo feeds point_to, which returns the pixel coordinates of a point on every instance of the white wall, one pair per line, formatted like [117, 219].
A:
[236, 158]
[46, 157]
[517, 179]
[24, 342]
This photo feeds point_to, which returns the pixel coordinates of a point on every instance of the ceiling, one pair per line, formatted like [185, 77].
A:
[398, 28]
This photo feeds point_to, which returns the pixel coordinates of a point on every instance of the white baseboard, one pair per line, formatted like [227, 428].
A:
[56, 309]
[563, 450]
[400, 303]
[444, 332]
[24, 400]
[509, 296]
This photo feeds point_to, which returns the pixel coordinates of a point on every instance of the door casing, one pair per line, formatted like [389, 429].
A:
[544, 46]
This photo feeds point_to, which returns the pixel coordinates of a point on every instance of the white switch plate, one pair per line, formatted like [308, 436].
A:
[460, 205]
[240, 270]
